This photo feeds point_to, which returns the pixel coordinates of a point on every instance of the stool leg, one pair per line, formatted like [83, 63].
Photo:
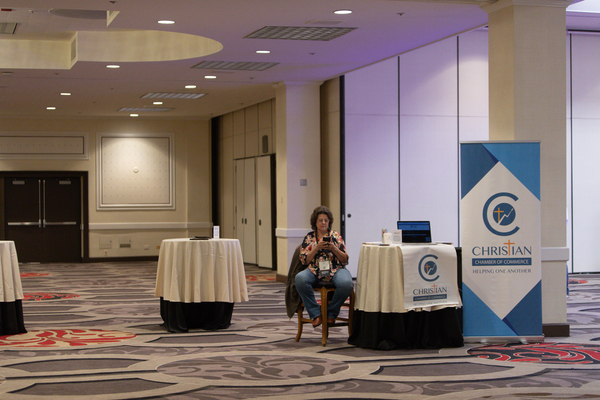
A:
[300, 324]
[325, 327]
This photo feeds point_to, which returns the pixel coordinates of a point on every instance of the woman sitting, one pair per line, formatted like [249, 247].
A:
[324, 252]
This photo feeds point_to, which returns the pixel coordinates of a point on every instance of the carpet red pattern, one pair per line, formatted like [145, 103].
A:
[257, 278]
[577, 281]
[48, 296]
[65, 338]
[32, 275]
[553, 353]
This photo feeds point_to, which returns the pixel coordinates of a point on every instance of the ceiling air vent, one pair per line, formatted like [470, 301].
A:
[172, 95]
[79, 14]
[144, 109]
[235, 65]
[299, 33]
[8, 28]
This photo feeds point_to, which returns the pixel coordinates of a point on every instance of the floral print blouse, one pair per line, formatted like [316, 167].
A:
[310, 240]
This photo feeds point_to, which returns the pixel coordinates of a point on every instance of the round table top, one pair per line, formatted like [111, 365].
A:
[194, 271]
[10, 276]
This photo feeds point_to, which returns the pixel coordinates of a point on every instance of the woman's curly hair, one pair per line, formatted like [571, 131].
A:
[315, 215]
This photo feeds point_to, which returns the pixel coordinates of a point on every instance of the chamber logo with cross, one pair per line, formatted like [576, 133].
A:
[428, 269]
[499, 214]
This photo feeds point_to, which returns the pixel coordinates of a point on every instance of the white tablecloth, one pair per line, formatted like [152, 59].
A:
[10, 288]
[194, 271]
[380, 280]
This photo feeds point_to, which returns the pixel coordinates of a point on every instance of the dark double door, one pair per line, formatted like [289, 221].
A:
[43, 216]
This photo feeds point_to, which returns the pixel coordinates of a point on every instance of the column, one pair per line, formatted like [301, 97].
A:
[298, 165]
[527, 73]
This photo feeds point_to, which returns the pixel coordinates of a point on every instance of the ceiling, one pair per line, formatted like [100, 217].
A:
[65, 47]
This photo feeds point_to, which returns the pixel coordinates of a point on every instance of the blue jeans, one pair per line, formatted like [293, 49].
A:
[342, 280]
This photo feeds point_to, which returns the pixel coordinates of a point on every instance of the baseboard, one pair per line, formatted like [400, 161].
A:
[281, 278]
[556, 330]
[121, 259]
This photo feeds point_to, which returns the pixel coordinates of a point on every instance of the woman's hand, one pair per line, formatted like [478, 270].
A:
[320, 245]
[327, 246]
[323, 245]
[339, 254]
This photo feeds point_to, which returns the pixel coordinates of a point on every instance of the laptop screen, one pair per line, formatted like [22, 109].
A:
[415, 231]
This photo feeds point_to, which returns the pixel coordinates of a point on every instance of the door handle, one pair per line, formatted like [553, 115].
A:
[43, 203]
[40, 203]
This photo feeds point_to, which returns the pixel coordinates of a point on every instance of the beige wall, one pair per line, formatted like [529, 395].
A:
[330, 149]
[146, 228]
[241, 135]
[528, 101]
[298, 158]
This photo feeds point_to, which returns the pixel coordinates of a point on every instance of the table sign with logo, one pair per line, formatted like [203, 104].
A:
[381, 318]
[429, 276]
[501, 241]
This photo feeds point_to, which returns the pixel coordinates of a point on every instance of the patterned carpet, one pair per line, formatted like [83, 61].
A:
[95, 333]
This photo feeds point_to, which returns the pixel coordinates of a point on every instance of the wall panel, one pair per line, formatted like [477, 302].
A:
[371, 180]
[585, 92]
[473, 77]
[429, 177]
[585, 78]
[586, 191]
[429, 138]
[428, 80]
[371, 146]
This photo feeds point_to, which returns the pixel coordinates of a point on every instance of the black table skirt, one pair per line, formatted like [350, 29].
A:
[411, 330]
[11, 318]
[179, 317]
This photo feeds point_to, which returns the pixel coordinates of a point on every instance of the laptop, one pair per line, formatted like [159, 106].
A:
[415, 231]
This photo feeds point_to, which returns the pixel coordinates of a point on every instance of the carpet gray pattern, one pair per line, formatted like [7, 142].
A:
[99, 337]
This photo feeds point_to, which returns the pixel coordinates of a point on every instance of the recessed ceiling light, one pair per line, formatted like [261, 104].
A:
[263, 51]
[342, 12]
[166, 22]
[210, 77]
[50, 108]
[190, 86]
[134, 115]
[65, 94]
[113, 66]
[157, 103]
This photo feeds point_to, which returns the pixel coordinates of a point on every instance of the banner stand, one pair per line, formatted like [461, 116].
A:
[504, 339]
[501, 242]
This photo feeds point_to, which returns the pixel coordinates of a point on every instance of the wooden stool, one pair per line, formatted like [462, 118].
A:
[326, 289]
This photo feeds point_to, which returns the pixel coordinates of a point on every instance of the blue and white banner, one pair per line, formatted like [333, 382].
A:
[430, 277]
[501, 239]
